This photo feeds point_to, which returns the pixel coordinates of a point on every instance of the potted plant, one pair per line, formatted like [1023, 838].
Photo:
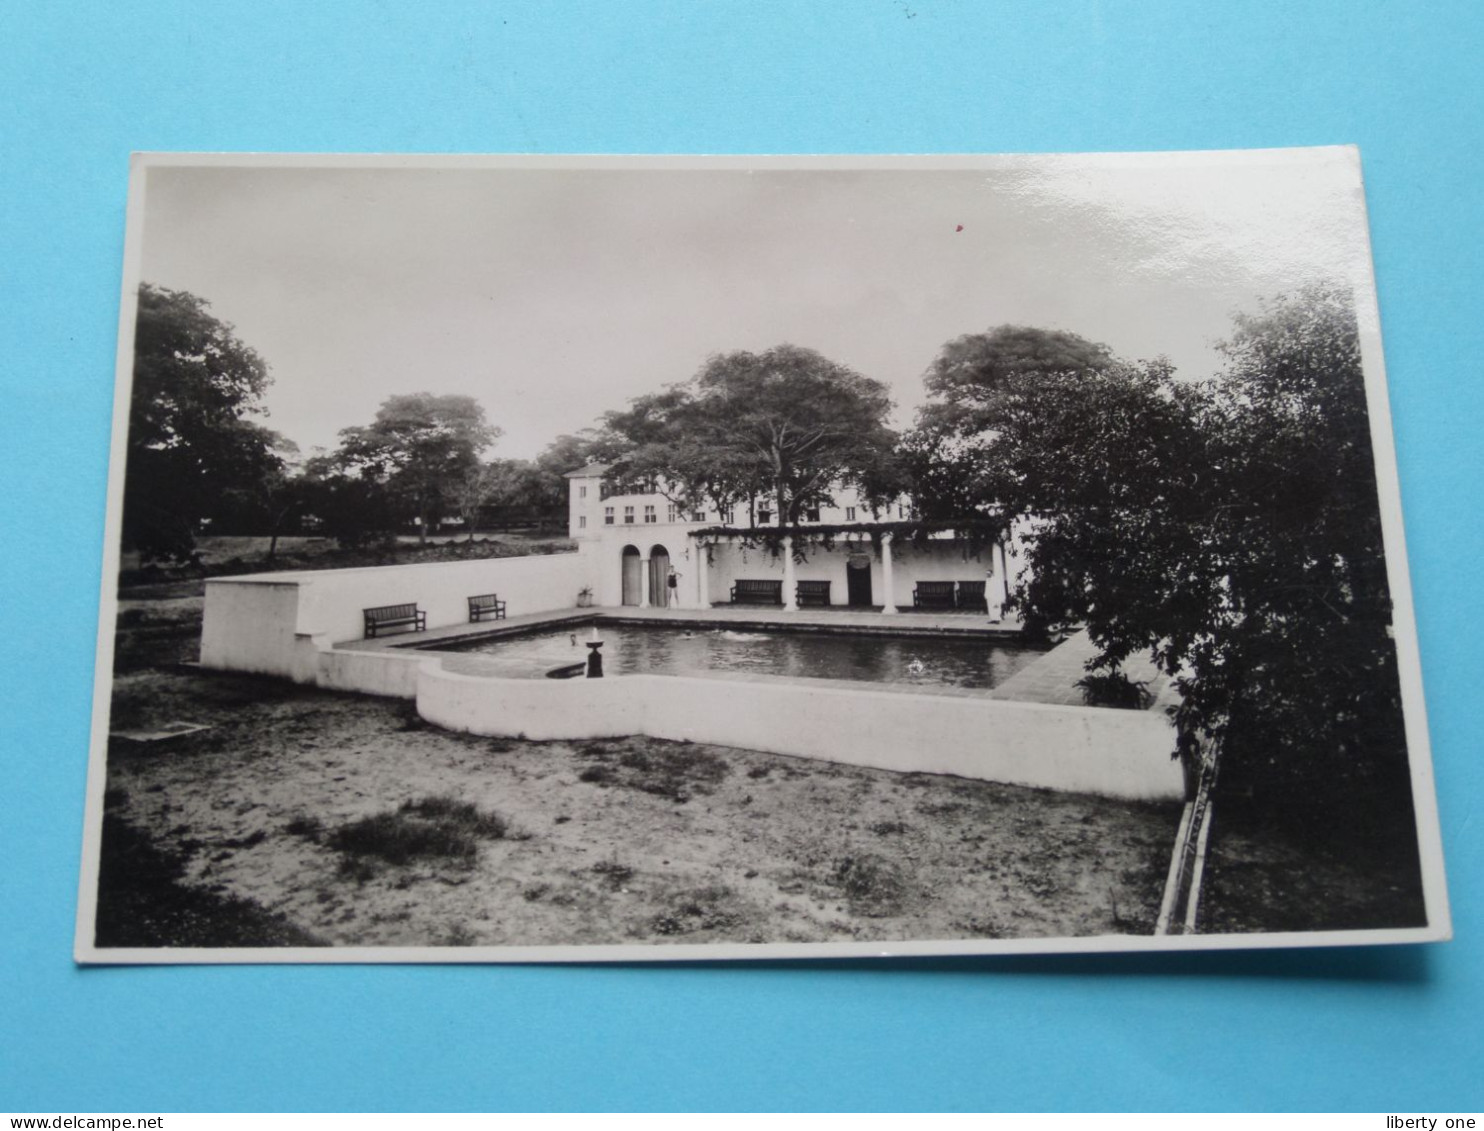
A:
[585, 597]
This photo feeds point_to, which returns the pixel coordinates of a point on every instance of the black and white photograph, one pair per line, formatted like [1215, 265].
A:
[614, 558]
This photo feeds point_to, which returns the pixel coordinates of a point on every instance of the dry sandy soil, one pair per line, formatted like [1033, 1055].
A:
[265, 817]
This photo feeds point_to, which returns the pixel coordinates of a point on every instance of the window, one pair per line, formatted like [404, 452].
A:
[582, 492]
[902, 511]
[607, 516]
[649, 515]
[849, 514]
[628, 515]
[698, 516]
[582, 522]
[670, 514]
[727, 517]
[812, 514]
[764, 517]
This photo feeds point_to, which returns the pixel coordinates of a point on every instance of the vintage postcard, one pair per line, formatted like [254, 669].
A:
[585, 558]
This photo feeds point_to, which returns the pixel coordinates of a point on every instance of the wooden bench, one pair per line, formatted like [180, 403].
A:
[812, 592]
[486, 605]
[757, 592]
[971, 596]
[933, 595]
[390, 616]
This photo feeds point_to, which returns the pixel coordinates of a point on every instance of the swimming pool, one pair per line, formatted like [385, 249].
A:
[631, 649]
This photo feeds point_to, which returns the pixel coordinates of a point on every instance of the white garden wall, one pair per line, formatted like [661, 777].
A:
[1086, 750]
[263, 622]
[539, 583]
[249, 624]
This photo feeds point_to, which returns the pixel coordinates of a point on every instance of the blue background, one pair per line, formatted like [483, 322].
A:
[83, 84]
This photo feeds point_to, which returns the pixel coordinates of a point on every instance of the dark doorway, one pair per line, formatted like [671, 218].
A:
[631, 577]
[858, 581]
[659, 577]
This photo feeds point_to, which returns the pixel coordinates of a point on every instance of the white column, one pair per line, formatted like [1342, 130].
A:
[702, 597]
[790, 601]
[997, 589]
[890, 605]
[644, 582]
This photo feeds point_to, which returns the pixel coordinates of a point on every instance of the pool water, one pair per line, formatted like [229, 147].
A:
[666, 650]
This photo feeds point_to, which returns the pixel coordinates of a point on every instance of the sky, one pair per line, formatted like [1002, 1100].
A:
[554, 290]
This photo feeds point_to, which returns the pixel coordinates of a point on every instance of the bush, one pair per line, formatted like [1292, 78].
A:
[1114, 689]
[438, 827]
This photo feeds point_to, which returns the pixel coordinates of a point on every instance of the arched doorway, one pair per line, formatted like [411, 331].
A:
[631, 578]
[660, 594]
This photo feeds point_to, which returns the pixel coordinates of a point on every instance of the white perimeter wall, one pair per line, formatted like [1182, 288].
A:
[261, 622]
[249, 625]
[1082, 749]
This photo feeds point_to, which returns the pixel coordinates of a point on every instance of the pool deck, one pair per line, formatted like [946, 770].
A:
[1051, 679]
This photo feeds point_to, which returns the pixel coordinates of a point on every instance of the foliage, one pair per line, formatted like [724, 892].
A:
[787, 425]
[970, 372]
[475, 488]
[1114, 689]
[190, 442]
[419, 448]
[1229, 528]
[948, 455]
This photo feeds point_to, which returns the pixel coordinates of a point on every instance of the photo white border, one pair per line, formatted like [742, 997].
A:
[1439, 923]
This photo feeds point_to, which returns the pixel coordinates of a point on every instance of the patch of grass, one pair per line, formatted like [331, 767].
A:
[310, 828]
[942, 808]
[442, 828]
[710, 908]
[888, 828]
[457, 935]
[983, 927]
[675, 770]
[615, 875]
[872, 884]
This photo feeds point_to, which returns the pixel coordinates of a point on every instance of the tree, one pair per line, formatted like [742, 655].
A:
[266, 503]
[420, 447]
[969, 373]
[1230, 529]
[190, 441]
[544, 487]
[946, 455]
[787, 425]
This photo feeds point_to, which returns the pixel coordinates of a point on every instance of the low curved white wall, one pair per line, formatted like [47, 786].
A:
[1082, 749]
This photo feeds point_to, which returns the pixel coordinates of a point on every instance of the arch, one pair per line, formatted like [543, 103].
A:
[631, 583]
[660, 593]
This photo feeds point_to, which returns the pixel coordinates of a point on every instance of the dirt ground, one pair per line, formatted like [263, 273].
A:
[601, 842]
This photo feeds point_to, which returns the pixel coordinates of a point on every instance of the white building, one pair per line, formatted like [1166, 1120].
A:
[643, 550]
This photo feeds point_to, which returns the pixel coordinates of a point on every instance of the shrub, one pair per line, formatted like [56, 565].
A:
[1114, 689]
